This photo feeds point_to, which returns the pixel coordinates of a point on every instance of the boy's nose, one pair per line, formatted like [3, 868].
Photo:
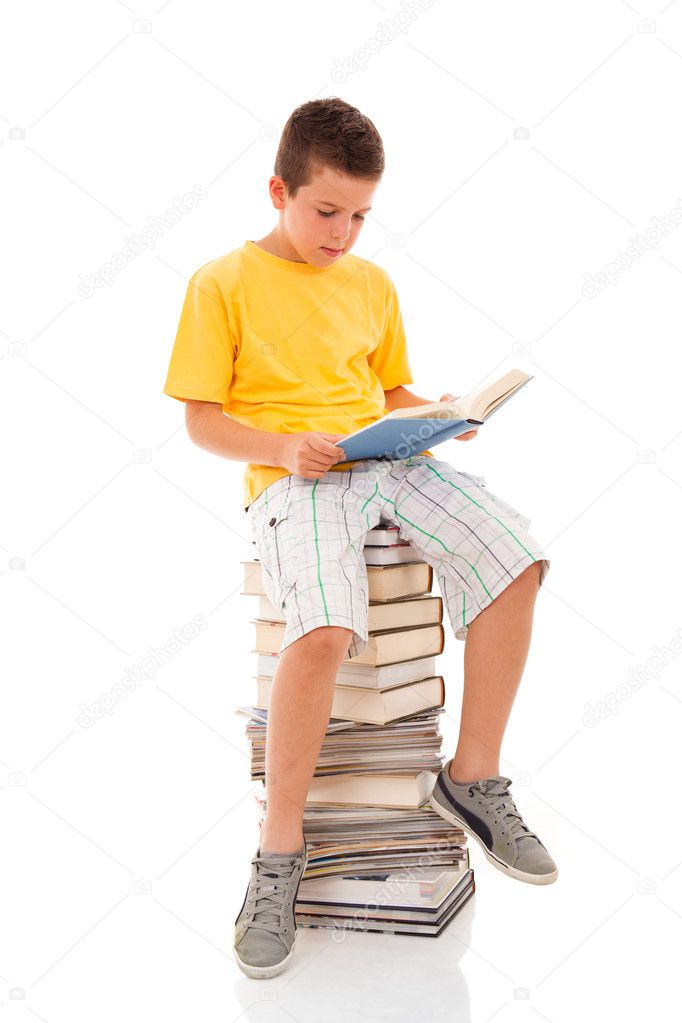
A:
[341, 235]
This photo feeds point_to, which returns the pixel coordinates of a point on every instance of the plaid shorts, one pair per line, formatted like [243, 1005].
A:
[310, 534]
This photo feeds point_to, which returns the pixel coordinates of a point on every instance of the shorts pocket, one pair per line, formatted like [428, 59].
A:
[275, 548]
[261, 517]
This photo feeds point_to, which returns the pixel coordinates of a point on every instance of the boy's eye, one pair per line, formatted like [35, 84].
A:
[325, 213]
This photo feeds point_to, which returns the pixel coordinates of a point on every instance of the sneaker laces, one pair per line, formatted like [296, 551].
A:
[268, 896]
[496, 796]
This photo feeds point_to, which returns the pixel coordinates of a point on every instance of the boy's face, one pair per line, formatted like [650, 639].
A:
[324, 218]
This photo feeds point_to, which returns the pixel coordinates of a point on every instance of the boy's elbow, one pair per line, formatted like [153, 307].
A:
[196, 415]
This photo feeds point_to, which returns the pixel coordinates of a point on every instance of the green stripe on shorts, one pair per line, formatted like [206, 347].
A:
[317, 548]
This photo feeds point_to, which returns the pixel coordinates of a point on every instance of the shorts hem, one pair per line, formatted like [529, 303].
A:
[358, 642]
[461, 631]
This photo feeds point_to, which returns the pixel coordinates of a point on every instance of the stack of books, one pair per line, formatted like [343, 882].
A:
[379, 857]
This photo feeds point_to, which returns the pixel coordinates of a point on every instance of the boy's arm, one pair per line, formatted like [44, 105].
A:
[208, 427]
[308, 454]
[400, 397]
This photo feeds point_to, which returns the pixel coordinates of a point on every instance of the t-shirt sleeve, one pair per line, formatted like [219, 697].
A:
[389, 359]
[202, 360]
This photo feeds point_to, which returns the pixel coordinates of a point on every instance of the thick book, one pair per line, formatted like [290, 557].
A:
[384, 582]
[396, 614]
[364, 675]
[387, 921]
[391, 790]
[382, 647]
[375, 707]
[409, 431]
[388, 890]
[383, 536]
[420, 887]
[391, 554]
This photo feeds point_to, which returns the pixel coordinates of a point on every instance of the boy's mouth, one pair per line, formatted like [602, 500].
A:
[331, 252]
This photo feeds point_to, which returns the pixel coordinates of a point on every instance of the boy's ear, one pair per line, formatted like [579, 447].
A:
[278, 191]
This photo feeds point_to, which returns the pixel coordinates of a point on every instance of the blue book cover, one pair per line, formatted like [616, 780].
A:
[400, 438]
[396, 437]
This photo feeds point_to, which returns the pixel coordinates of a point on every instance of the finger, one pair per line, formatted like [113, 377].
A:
[317, 466]
[323, 447]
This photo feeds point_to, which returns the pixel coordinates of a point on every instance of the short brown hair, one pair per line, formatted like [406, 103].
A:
[328, 133]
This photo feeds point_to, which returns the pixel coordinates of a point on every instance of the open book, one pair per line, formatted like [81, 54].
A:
[408, 431]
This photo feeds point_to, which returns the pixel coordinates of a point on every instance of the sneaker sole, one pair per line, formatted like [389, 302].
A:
[506, 868]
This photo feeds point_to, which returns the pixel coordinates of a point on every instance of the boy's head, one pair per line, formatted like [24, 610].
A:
[329, 162]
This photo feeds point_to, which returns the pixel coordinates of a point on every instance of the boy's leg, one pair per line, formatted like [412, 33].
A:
[469, 791]
[477, 542]
[310, 538]
[495, 653]
[298, 716]
[490, 569]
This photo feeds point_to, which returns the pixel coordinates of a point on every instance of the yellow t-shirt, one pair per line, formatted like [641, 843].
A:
[289, 347]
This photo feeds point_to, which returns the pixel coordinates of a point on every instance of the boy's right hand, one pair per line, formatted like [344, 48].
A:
[310, 454]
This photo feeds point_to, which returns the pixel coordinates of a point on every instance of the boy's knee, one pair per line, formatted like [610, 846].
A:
[531, 574]
[331, 636]
[334, 632]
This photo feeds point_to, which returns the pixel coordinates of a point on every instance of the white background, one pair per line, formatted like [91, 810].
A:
[117, 531]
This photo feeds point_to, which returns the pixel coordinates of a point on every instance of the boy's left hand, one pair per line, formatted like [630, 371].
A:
[470, 434]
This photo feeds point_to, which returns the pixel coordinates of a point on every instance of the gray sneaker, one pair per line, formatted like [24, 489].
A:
[265, 928]
[486, 811]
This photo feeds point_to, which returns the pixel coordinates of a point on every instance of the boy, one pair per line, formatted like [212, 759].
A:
[301, 344]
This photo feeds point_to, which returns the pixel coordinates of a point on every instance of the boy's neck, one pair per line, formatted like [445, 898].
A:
[277, 246]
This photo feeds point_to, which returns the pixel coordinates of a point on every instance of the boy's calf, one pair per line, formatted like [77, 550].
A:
[298, 715]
